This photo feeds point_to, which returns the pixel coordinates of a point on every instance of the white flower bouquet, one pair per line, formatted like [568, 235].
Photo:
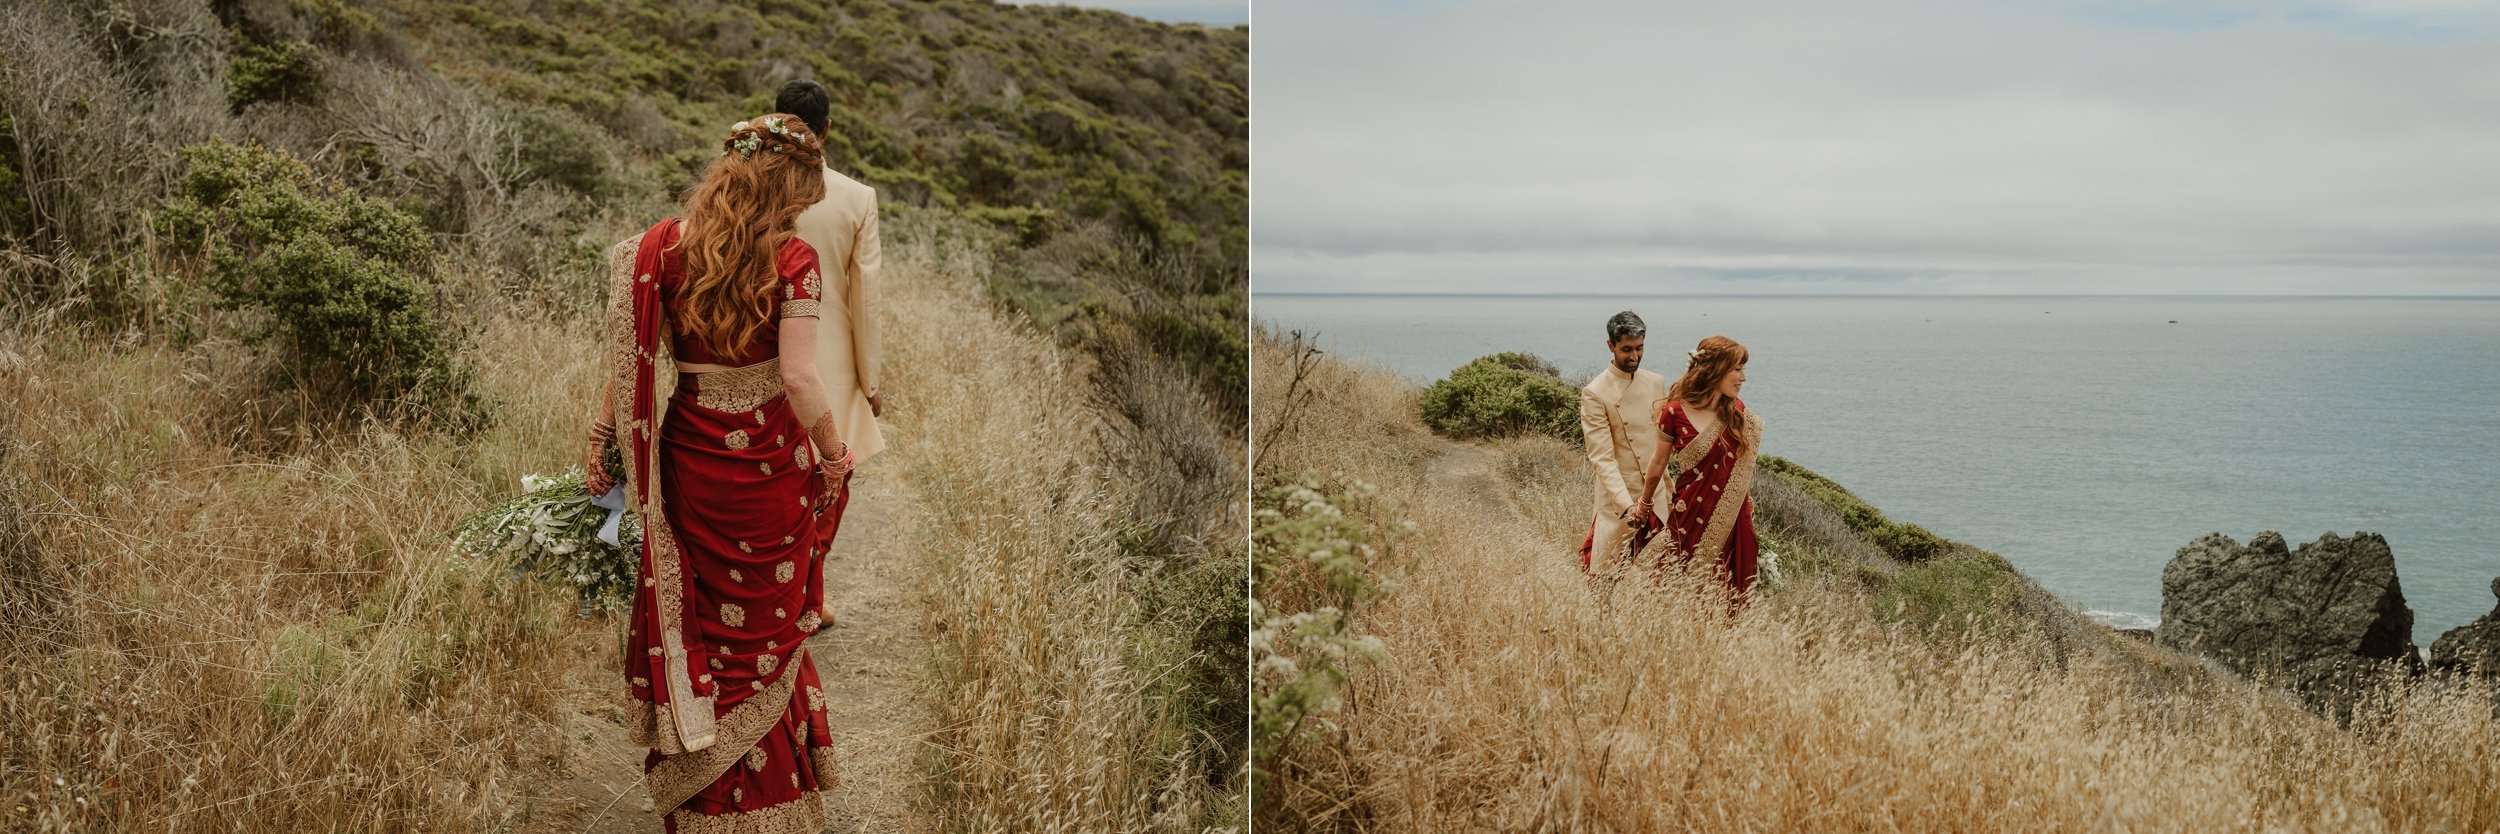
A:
[558, 530]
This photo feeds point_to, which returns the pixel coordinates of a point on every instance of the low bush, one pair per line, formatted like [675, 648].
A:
[1906, 542]
[340, 281]
[1313, 559]
[1952, 598]
[1503, 395]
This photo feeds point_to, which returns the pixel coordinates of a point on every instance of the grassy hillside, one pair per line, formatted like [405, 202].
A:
[1859, 692]
[228, 601]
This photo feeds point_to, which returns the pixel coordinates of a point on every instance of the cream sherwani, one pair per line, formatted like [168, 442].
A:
[1615, 423]
[843, 228]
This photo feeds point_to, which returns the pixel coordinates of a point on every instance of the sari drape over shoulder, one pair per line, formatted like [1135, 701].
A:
[1711, 516]
[721, 688]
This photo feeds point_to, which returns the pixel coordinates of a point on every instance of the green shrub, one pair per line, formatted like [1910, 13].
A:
[339, 278]
[16, 216]
[1202, 607]
[1906, 542]
[1503, 395]
[1956, 596]
[258, 72]
[1312, 555]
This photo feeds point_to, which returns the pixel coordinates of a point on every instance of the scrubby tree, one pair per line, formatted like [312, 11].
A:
[340, 280]
[1503, 395]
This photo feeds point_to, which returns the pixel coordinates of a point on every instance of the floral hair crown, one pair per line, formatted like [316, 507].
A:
[747, 137]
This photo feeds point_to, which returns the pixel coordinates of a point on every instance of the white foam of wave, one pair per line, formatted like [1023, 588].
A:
[2123, 619]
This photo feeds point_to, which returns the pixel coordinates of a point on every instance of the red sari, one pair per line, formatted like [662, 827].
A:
[722, 690]
[1711, 517]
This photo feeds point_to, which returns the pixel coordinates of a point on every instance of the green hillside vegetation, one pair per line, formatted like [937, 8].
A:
[289, 287]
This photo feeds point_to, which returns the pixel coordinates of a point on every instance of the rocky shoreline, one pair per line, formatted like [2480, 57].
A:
[2327, 620]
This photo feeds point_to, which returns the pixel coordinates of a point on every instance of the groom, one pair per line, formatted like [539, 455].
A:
[843, 228]
[1615, 423]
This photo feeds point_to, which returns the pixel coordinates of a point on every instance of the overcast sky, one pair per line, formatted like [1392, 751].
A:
[1886, 146]
[1217, 13]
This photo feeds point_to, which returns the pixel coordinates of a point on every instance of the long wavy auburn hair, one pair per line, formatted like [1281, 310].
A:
[737, 218]
[1699, 386]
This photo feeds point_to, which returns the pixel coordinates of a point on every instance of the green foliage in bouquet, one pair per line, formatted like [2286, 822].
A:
[1503, 395]
[552, 530]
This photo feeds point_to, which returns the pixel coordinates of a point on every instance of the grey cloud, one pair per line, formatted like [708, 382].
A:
[2033, 148]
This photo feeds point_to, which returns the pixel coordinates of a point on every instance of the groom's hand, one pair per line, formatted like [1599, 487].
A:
[876, 404]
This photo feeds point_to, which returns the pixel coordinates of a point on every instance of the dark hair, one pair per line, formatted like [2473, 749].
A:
[808, 100]
[1625, 325]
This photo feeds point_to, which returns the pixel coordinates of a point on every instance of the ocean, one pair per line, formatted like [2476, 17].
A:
[2086, 439]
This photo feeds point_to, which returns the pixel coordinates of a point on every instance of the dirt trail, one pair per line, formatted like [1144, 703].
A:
[865, 660]
[1471, 473]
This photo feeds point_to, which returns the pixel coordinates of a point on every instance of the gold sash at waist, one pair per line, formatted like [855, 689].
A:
[738, 389]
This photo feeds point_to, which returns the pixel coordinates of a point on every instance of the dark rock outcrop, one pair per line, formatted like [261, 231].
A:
[2326, 620]
[2473, 648]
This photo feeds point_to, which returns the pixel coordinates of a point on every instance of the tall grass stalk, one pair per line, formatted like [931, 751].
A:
[1050, 709]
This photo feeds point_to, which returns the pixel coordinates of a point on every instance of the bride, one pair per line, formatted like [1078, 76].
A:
[737, 475]
[1714, 438]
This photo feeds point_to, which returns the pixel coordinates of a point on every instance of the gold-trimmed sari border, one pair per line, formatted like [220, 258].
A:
[678, 778]
[1739, 491]
[804, 815]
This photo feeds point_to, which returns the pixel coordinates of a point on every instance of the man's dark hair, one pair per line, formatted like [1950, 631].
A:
[807, 100]
[1625, 325]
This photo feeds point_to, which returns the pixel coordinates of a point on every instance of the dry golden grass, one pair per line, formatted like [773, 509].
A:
[219, 639]
[1048, 712]
[213, 618]
[1512, 701]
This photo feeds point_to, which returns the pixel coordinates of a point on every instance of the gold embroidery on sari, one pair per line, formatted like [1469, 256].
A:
[743, 548]
[804, 815]
[809, 621]
[756, 760]
[815, 286]
[1732, 501]
[740, 389]
[799, 456]
[765, 664]
[735, 439]
[676, 778]
[828, 771]
[763, 467]
[782, 572]
[801, 308]
[733, 616]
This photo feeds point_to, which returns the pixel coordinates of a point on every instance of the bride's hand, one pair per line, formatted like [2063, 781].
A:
[595, 477]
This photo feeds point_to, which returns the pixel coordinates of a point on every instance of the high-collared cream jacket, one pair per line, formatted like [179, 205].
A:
[1615, 423]
[843, 228]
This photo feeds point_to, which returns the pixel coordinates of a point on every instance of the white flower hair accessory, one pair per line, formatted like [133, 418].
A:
[747, 137]
[1696, 354]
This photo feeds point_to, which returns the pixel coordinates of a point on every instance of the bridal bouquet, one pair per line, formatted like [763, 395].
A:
[558, 530]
